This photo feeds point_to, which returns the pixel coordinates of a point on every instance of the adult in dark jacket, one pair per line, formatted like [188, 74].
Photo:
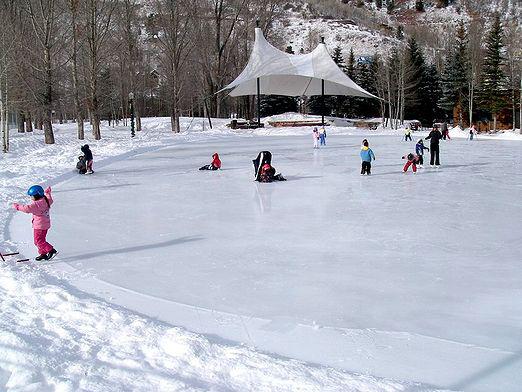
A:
[434, 138]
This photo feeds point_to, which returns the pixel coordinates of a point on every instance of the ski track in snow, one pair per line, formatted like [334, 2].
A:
[54, 337]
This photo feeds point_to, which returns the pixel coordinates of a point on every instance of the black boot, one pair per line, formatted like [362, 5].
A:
[51, 254]
[41, 257]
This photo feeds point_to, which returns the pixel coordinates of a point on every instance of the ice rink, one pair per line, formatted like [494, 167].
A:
[409, 277]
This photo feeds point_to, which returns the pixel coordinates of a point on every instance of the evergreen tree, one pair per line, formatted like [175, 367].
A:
[366, 78]
[419, 5]
[378, 3]
[400, 32]
[455, 79]
[338, 58]
[421, 85]
[390, 6]
[350, 67]
[492, 92]
[350, 103]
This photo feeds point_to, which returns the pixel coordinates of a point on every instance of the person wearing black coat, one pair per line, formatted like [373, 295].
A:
[88, 158]
[434, 138]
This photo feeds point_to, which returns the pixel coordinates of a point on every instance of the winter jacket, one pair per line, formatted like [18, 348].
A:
[40, 210]
[87, 152]
[434, 137]
[216, 162]
[411, 158]
[419, 148]
[367, 154]
[315, 134]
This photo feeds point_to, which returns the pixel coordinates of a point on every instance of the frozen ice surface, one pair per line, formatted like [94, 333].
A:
[409, 277]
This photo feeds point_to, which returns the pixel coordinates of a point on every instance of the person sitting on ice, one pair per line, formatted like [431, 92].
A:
[88, 158]
[268, 174]
[215, 165]
[413, 160]
[81, 165]
[419, 150]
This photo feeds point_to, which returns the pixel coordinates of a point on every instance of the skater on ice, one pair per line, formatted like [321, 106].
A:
[472, 132]
[87, 153]
[419, 150]
[413, 160]
[407, 134]
[315, 135]
[434, 138]
[367, 156]
[322, 137]
[42, 201]
[215, 165]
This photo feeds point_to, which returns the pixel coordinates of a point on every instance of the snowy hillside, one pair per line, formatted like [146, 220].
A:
[369, 30]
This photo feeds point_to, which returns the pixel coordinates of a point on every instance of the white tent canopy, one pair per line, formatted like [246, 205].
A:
[281, 73]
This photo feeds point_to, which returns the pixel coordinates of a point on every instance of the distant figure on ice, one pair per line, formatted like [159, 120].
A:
[445, 131]
[413, 160]
[215, 165]
[42, 201]
[81, 165]
[419, 150]
[434, 137]
[88, 158]
[407, 134]
[322, 137]
[472, 131]
[315, 135]
[367, 156]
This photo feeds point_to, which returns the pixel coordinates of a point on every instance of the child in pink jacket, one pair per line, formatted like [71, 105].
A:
[41, 219]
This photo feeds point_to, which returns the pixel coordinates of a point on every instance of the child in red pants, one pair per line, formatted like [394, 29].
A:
[40, 207]
[413, 160]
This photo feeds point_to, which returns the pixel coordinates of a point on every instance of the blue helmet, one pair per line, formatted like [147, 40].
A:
[36, 190]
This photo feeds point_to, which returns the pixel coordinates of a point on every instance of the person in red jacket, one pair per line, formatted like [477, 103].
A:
[413, 160]
[42, 201]
[215, 165]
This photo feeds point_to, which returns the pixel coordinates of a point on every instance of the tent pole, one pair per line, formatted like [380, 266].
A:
[322, 94]
[258, 104]
[322, 102]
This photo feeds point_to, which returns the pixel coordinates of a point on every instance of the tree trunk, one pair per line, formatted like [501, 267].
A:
[494, 122]
[21, 122]
[28, 122]
[48, 126]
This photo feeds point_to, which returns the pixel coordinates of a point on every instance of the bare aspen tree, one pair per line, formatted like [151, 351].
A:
[98, 15]
[43, 18]
[171, 27]
[74, 7]
[130, 26]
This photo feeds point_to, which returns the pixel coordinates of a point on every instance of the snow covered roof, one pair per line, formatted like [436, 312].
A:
[282, 73]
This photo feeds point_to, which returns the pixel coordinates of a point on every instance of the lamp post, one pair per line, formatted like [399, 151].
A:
[131, 104]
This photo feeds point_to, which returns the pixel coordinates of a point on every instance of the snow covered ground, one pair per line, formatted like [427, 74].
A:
[362, 281]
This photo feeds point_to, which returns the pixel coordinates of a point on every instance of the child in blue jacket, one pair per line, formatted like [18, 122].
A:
[367, 156]
[419, 150]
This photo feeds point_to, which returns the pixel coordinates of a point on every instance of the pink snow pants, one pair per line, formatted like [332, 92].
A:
[89, 165]
[412, 164]
[40, 241]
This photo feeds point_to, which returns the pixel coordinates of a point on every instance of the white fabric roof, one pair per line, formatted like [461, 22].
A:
[282, 73]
